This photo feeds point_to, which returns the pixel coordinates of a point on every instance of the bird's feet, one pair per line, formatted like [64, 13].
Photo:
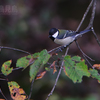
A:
[60, 49]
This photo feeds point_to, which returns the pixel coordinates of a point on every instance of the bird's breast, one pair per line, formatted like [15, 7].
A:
[65, 41]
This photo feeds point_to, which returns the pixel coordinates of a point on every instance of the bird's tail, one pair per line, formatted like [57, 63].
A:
[83, 32]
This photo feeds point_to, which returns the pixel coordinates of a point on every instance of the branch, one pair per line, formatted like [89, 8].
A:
[54, 49]
[84, 55]
[84, 16]
[57, 75]
[31, 90]
[96, 37]
[88, 27]
[3, 47]
[92, 15]
[3, 94]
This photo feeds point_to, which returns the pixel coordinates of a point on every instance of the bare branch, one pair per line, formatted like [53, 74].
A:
[89, 26]
[3, 94]
[3, 47]
[96, 37]
[58, 75]
[84, 16]
[54, 49]
[31, 89]
[84, 55]
[92, 15]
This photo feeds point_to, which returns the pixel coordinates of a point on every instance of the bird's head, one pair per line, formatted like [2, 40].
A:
[53, 33]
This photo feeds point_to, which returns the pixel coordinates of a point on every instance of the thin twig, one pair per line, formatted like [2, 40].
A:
[84, 55]
[3, 94]
[91, 21]
[83, 52]
[92, 15]
[84, 16]
[57, 75]
[54, 49]
[3, 79]
[89, 26]
[3, 47]
[31, 89]
[96, 37]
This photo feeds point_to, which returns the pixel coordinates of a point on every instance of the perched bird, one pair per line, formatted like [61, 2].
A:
[65, 37]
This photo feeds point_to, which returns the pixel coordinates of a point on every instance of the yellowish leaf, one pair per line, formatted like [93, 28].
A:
[96, 66]
[16, 92]
[39, 76]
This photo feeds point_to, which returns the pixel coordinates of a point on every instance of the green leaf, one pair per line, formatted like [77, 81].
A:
[37, 60]
[75, 68]
[76, 58]
[47, 69]
[42, 59]
[13, 84]
[25, 61]
[5, 69]
[94, 74]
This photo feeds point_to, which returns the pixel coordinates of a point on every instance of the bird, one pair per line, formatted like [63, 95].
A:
[65, 37]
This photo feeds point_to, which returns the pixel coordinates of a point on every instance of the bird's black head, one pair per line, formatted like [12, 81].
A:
[53, 33]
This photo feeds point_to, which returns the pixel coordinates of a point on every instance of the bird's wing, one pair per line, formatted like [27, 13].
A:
[66, 33]
[69, 33]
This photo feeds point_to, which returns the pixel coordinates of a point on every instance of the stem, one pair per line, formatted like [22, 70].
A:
[3, 94]
[84, 16]
[57, 75]
[31, 90]
[84, 55]
[92, 15]
[3, 47]
[54, 49]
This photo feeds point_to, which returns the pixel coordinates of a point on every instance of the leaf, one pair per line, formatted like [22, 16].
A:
[75, 68]
[95, 74]
[39, 76]
[12, 85]
[42, 59]
[6, 70]
[47, 69]
[54, 67]
[26, 61]
[96, 66]
[16, 92]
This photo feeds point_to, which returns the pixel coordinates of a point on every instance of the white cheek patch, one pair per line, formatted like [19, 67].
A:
[55, 35]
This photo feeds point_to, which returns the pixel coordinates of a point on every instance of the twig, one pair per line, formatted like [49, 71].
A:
[84, 16]
[31, 90]
[3, 94]
[92, 15]
[3, 47]
[57, 75]
[84, 55]
[91, 22]
[96, 37]
[89, 26]
[54, 49]
[3, 79]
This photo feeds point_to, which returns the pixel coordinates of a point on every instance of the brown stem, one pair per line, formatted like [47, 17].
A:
[57, 75]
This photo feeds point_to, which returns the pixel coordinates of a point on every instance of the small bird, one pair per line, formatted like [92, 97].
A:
[65, 37]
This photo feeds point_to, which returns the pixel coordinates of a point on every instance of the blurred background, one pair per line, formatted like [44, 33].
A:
[25, 24]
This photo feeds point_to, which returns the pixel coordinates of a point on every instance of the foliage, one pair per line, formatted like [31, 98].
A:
[74, 68]
[5, 69]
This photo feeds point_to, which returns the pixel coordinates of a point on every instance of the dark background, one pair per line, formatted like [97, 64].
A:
[26, 24]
